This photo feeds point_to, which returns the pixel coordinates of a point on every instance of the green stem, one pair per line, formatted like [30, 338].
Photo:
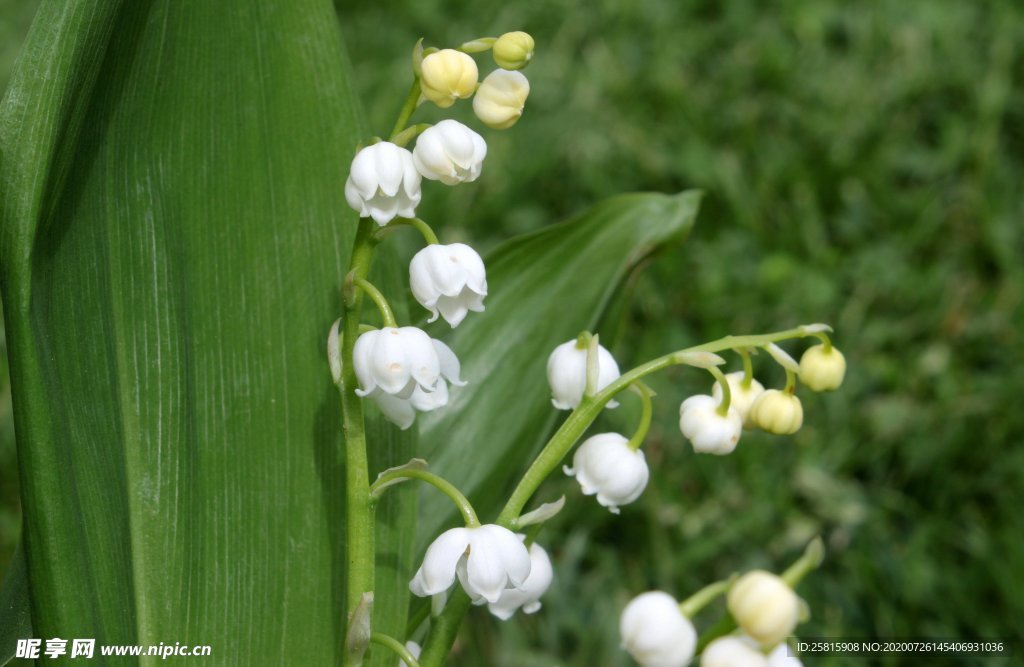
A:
[593, 371]
[419, 225]
[721, 628]
[812, 557]
[408, 134]
[723, 407]
[748, 368]
[407, 109]
[826, 342]
[443, 631]
[693, 604]
[438, 482]
[647, 411]
[378, 299]
[417, 618]
[790, 387]
[359, 548]
[396, 647]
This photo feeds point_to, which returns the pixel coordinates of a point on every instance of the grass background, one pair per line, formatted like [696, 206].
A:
[863, 165]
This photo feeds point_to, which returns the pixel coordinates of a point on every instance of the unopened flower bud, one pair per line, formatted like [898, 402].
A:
[656, 633]
[821, 369]
[605, 465]
[513, 50]
[764, 606]
[709, 431]
[742, 397]
[449, 152]
[500, 100]
[733, 651]
[448, 75]
[777, 412]
[567, 374]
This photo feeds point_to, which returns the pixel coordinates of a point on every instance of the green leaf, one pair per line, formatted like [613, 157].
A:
[544, 288]
[15, 615]
[173, 235]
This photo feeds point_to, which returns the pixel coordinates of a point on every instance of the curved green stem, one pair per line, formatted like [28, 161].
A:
[396, 647]
[408, 108]
[748, 368]
[647, 410]
[693, 604]
[812, 557]
[723, 406]
[721, 628]
[826, 342]
[419, 225]
[359, 548]
[593, 371]
[408, 134]
[378, 299]
[438, 482]
[790, 382]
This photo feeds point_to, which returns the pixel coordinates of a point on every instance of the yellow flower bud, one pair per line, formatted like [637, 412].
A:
[448, 75]
[822, 370]
[777, 412]
[513, 50]
[500, 100]
[764, 606]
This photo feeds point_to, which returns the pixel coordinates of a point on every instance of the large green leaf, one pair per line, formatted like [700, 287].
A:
[173, 238]
[545, 288]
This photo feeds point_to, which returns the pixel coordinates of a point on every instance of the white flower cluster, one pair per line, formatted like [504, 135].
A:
[656, 632]
[402, 369]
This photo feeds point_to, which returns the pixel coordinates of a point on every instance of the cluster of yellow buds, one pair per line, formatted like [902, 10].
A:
[448, 75]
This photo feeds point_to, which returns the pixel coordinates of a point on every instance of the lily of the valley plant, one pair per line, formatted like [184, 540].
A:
[402, 371]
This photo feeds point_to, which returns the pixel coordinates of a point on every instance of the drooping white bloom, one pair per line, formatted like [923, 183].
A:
[780, 657]
[448, 75]
[742, 398]
[414, 649]
[383, 182]
[402, 411]
[777, 412]
[605, 465]
[396, 360]
[656, 633]
[449, 152]
[764, 606]
[486, 559]
[733, 651]
[567, 374]
[500, 99]
[528, 595]
[448, 279]
[821, 370]
[709, 431]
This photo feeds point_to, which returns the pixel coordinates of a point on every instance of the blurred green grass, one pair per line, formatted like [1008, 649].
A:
[863, 166]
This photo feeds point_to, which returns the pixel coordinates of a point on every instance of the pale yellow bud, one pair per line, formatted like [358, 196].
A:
[822, 370]
[764, 606]
[513, 50]
[777, 412]
[448, 75]
[500, 100]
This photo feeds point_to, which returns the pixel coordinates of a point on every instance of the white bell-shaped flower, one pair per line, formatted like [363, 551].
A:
[402, 411]
[396, 360]
[656, 633]
[709, 431]
[606, 465]
[780, 657]
[764, 606]
[733, 651]
[449, 152]
[567, 374]
[486, 559]
[500, 99]
[528, 595]
[742, 397]
[383, 183]
[448, 279]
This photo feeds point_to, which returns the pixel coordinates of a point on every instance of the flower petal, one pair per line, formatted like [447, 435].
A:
[437, 573]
